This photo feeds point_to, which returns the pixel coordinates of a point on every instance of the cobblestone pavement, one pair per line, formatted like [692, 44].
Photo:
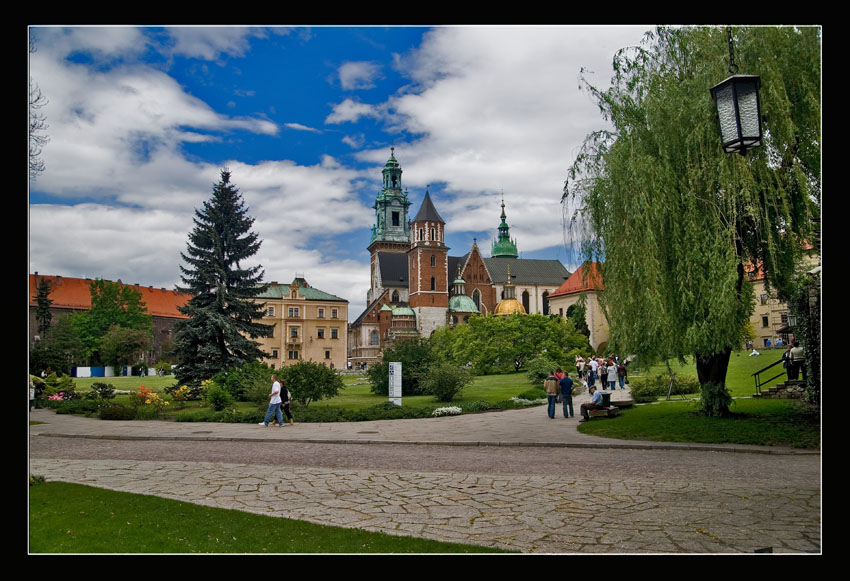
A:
[547, 491]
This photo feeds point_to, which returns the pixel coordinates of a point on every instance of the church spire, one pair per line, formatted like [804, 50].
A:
[504, 247]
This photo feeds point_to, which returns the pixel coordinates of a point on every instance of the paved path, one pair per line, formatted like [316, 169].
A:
[588, 495]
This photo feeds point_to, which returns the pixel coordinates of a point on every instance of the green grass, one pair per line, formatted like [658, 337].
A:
[763, 422]
[739, 380]
[489, 388]
[72, 518]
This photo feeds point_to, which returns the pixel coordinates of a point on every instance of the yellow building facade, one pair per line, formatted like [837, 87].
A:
[308, 324]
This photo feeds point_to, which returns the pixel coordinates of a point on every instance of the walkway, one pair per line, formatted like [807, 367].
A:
[721, 513]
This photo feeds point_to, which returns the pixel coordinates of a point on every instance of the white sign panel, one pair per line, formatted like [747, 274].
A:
[395, 382]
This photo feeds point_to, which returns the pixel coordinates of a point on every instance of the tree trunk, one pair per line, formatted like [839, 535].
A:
[712, 368]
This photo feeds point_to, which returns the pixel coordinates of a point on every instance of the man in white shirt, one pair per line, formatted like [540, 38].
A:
[274, 404]
[595, 403]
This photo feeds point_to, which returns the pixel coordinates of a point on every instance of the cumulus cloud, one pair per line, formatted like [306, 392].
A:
[350, 111]
[358, 75]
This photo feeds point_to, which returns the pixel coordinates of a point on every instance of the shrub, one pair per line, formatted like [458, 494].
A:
[54, 384]
[649, 389]
[116, 411]
[445, 380]
[218, 397]
[242, 382]
[101, 392]
[533, 394]
[308, 381]
[538, 368]
[75, 406]
[714, 400]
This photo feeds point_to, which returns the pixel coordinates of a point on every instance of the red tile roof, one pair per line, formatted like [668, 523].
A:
[585, 278]
[75, 293]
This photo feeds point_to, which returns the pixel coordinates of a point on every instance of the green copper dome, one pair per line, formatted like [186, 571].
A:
[462, 304]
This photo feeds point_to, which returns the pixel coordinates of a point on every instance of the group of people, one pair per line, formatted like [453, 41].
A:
[559, 387]
[793, 360]
[279, 399]
[609, 370]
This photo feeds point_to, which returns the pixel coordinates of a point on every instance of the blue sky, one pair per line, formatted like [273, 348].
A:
[141, 121]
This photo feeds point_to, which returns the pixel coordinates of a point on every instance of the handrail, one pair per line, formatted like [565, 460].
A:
[758, 373]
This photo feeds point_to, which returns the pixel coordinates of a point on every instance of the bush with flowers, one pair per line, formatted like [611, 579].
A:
[147, 401]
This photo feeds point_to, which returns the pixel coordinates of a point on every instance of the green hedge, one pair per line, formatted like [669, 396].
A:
[648, 389]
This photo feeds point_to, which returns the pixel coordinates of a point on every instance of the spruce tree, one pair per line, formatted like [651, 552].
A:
[220, 331]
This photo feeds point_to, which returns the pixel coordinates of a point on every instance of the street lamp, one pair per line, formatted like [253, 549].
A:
[738, 108]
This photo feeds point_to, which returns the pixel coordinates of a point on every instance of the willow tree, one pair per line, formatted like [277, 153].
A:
[674, 221]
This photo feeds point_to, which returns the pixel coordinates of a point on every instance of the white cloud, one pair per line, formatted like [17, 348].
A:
[350, 111]
[358, 75]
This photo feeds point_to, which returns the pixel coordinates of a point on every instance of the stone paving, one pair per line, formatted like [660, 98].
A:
[530, 513]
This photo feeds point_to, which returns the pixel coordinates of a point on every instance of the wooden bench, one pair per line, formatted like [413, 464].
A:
[608, 412]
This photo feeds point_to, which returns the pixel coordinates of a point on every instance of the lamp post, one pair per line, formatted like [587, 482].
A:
[738, 108]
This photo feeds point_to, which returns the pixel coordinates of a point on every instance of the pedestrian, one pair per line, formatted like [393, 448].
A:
[786, 362]
[612, 374]
[286, 398]
[603, 373]
[550, 385]
[274, 404]
[594, 404]
[594, 366]
[798, 360]
[579, 366]
[621, 375]
[567, 394]
[559, 374]
[32, 395]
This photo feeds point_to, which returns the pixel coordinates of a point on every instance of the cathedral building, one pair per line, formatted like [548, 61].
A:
[416, 286]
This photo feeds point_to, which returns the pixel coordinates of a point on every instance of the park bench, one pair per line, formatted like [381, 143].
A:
[607, 410]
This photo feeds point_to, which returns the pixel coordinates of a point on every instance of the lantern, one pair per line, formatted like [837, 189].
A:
[738, 108]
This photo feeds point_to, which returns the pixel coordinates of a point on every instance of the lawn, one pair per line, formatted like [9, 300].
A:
[94, 520]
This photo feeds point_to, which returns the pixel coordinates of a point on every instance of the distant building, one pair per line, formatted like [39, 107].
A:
[309, 324]
[70, 294]
[416, 286]
[585, 284]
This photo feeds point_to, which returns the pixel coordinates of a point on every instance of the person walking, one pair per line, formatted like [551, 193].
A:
[594, 366]
[550, 385]
[286, 399]
[566, 385]
[612, 374]
[274, 404]
[621, 375]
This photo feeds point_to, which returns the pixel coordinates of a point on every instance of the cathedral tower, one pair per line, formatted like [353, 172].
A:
[504, 247]
[428, 268]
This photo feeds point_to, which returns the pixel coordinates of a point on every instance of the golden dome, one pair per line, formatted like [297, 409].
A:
[509, 307]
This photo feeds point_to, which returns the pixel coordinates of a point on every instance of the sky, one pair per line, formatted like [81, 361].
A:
[141, 121]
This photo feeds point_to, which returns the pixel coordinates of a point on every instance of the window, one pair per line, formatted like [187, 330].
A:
[526, 302]
[270, 311]
[274, 353]
[293, 355]
[334, 313]
[293, 332]
[432, 235]
[433, 260]
[334, 333]
[476, 298]
[321, 313]
[327, 353]
[546, 303]
[293, 311]
[421, 234]
[433, 283]
[373, 338]
[395, 219]
[394, 297]
[765, 321]
[763, 298]
[320, 333]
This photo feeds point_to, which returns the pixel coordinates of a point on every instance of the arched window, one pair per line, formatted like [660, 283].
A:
[395, 297]
[421, 234]
[476, 298]
[433, 260]
[433, 283]
[373, 338]
[526, 301]
[546, 302]
[432, 235]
